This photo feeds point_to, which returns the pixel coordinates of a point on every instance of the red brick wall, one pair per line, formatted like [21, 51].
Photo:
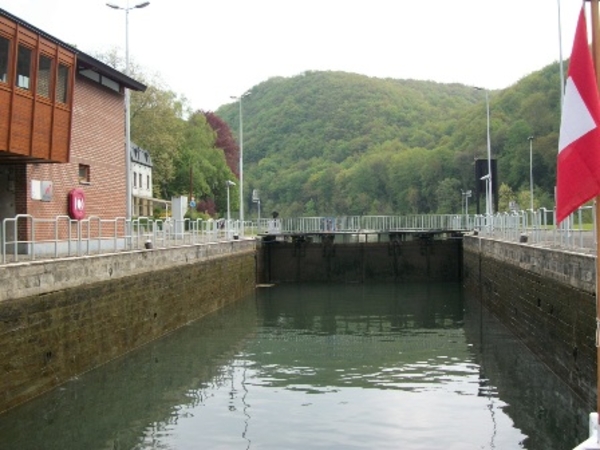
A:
[98, 141]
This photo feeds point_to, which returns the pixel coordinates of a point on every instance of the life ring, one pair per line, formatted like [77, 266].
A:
[76, 204]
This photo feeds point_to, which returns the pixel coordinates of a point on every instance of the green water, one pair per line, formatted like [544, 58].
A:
[416, 366]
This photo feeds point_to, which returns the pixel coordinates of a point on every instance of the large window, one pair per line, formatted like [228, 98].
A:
[44, 80]
[62, 83]
[24, 67]
[4, 52]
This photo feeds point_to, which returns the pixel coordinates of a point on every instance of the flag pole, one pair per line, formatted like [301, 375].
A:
[596, 58]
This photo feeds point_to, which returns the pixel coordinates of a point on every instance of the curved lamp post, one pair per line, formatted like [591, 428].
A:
[127, 106]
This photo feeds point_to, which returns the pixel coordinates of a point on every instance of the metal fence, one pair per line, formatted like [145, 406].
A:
[65, 237]
[576, 233]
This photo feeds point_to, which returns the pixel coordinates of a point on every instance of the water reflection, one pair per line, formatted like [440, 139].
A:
[131, 402]
[544, 408]
[316, 366]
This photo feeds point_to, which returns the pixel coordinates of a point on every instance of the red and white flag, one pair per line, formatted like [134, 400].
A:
[578, 166]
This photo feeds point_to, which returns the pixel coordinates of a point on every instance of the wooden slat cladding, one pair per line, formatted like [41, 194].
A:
[35, 105]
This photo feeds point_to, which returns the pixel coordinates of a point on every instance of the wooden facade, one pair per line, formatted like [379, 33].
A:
[36, 95]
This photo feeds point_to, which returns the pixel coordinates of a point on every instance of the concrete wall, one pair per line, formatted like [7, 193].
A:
[545, 297]
[54, 327]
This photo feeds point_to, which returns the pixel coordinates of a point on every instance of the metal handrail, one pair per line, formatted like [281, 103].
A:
[25, 237]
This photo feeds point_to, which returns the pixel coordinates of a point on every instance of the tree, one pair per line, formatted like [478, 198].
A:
[506, 197]
[157, 125]
[225, 141]
[448, 196]
[201, 169]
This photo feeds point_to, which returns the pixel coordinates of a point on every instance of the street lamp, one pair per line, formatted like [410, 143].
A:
[241, 137]
[127, 106]
[466, 195]
[256, 199]
[530, 138]
[489, 207]
[488, 181]
[229, 183]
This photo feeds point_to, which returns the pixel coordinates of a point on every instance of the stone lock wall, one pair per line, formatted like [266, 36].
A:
[393, 261]
[546, 298]
[48, 338]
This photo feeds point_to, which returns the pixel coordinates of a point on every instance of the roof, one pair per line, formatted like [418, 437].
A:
[140, 156]
[83, 59]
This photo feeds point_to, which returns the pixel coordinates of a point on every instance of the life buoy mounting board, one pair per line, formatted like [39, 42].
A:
[76, 204]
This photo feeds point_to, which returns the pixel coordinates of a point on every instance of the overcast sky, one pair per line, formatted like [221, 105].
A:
[209, 51]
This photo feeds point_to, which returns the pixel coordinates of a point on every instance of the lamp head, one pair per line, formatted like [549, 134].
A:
[230, 183]
[113, 6]
[142, 5]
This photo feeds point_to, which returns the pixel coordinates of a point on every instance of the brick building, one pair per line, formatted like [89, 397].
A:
[62, 128]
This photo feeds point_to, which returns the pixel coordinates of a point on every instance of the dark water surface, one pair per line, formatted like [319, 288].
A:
[416, 366]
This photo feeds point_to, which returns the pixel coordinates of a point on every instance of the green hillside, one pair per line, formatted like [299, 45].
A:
[331, 143]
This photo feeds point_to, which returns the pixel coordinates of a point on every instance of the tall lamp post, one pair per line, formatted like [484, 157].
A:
[466, 195]
[489, 207]
[530, 138]
[229, 183]
[256, 199]
[127, 106]
[241, 137]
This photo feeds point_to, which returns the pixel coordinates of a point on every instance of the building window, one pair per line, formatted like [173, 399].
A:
[84, 173]
[141, 181]
[4, 52]
[24, 67]
[62, 83]
[134, 179]
[147, 181]
[44, 80]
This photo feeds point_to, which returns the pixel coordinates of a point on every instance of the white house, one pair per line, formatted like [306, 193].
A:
[141, 181]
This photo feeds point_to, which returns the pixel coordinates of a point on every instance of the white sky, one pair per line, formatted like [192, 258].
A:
[211, 50]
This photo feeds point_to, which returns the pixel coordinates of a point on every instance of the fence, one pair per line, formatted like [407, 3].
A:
[26, 238]
[576, 233]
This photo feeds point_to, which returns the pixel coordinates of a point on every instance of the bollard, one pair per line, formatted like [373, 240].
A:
[148, 245]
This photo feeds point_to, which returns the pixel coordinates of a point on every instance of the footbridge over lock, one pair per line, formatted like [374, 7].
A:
[361, 248]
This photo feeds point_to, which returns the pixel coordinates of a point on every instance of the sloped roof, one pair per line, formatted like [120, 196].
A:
[140, 156]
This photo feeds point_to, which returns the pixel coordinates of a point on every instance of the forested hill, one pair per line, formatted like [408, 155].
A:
[326, 143]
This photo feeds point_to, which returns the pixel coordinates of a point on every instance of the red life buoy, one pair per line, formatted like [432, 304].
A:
[76, 204]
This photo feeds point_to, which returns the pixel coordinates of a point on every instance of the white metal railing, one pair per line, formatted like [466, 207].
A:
[25, 237]
[576, 233]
